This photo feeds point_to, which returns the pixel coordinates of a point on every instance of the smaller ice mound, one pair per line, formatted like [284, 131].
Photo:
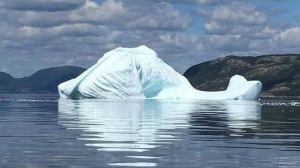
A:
[138, 73]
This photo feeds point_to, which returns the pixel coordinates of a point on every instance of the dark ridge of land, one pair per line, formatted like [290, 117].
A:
[279, 74]
[43, 81]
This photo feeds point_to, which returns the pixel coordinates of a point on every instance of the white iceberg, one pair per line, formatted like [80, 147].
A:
[138, 73]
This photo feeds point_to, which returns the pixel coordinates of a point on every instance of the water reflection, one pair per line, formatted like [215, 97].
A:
[41, 132]
[139, 126]
[125, 125]
[226, 118]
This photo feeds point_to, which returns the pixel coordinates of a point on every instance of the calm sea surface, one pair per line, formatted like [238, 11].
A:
[42, 131]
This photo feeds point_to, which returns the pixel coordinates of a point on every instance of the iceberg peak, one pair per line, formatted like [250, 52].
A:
[138, 73]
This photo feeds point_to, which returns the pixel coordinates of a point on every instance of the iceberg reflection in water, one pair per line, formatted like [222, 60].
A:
[136, 127]
[111, 123]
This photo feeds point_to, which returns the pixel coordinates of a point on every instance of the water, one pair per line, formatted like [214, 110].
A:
[41, 131]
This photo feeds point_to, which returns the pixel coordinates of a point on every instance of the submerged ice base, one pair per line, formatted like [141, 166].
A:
[138, 73]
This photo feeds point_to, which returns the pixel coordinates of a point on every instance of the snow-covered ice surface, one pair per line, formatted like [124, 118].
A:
[138, 73]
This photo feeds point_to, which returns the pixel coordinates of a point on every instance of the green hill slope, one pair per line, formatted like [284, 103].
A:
[279, 74]
[43, 81]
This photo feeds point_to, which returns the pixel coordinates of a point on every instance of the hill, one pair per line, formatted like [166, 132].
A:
[279, 74]
[43, 81]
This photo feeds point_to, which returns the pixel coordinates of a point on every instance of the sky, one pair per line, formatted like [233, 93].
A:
[37, 34]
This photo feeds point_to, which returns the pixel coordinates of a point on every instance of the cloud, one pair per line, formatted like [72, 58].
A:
[213, 2]
[239, 13]
[41, 5]
[171, 20]
[74, 30]
[240, 28]
[289, 38]
[277, 0]
[233, 19]
[229, 43]
[205, 2]
[114, 13]
[62, 37]
[108, 13]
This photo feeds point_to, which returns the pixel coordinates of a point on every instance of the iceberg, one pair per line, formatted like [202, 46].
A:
[138, 73]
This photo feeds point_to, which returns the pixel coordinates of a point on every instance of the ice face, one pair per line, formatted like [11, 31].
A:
[138, 73]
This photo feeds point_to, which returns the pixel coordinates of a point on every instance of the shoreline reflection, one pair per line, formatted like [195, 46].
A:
[226, 118]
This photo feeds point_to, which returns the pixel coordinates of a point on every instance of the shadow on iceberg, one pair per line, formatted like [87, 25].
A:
[138, 73]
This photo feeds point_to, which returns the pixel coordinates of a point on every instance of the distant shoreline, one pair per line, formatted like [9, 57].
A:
[280, 97]
[263, 97]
